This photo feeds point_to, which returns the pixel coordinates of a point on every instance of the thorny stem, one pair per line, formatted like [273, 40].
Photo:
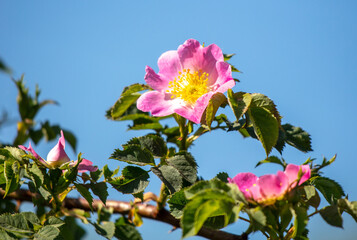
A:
[144, 210]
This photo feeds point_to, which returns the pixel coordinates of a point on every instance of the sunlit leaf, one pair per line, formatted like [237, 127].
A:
[132, 181]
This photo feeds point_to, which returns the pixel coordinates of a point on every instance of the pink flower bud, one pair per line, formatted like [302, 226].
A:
[57, 156]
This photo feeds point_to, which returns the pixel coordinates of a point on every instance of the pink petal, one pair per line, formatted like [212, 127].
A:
[194, 113]
[225, 86]
[31, 150]
[224, 73]
[62, 140]
[306, 173]
[86, 165]
[212, 55]
[190, 55]
[154, 80]
[158, 103]
[272, 186]
[244, 180]
[246, 183]
[292, 172]
[195, 57]
[57, 156]
[169, 65]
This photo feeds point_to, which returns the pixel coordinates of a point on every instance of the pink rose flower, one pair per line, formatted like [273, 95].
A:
[271, 187]
[186, 81]
[57, 156]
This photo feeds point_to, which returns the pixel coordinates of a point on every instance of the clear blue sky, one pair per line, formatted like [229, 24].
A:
[302, 54]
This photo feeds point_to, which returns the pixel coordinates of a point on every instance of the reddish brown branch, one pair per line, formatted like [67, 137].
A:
[144, 210]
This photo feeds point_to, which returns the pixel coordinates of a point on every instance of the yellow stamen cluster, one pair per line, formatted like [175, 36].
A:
[189, 86]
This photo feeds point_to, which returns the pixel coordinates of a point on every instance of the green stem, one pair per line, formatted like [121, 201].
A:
[163, 197]
[312, 214]
[183, 131]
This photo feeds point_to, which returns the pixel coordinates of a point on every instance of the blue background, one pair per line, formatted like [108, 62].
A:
[302, 54]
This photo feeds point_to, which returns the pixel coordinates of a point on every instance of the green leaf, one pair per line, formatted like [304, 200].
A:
[280, 144]
[154, 126]
[6, 236]
[239, 102]
[47, 233]
[285, 216]
[100, 190]
[203, 186]
[71, 230]
[128, 97]
[261, 101]
[5, 154]
[31, 217]
[134, 88]
[185, 164]
[329, 188]
[170, 176]
[126, 231]
[4, 68]
[97, 174]
[271, 159]
[154, 143]
[83, 190]
[332, 215]
[55, 222]
[48, 131]
[312, 196]
[266, 127]
[176, 203]
[106, 229]
[36, 175]
[133, 180]
[300, 220]
[15, 223]
[44, 193]
[206, 204]
[297, 137]
[214, 103]
[257, 215]
[108, 174]
[11, 176]
[134, 154]
[223, 176]
[234, 69]
[228, 56]
[196, 213]
[16, 153]
[349, 207]
[104, 214]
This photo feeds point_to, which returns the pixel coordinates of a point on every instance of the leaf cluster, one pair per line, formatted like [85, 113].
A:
[28, 108]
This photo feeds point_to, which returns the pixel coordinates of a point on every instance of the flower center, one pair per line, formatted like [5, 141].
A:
[189, 86]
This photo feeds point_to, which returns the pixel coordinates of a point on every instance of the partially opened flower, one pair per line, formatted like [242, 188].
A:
[292, 172]
[248, 185]
[271, 187]
[186, 81]
[57, 156]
